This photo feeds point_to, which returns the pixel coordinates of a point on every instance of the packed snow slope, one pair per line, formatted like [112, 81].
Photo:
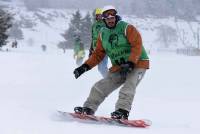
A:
[34, 85]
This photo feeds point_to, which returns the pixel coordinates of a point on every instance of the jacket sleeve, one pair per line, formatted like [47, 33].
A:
[135, 41]
[91, 45]
[97, 56]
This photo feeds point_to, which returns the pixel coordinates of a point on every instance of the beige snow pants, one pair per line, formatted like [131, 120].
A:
[107, 85]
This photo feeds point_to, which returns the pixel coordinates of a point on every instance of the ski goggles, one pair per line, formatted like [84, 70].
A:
[109, 14]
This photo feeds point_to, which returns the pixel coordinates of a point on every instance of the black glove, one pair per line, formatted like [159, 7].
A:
[126, 68]
[80, 70]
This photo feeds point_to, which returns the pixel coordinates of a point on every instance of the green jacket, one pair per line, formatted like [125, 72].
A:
[116, 44]
[96, 27]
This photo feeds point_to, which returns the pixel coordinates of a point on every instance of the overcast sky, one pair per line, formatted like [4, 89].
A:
[121, 5]
[161, 8]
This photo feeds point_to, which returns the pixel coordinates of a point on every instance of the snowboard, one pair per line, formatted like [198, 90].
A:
[140, 123]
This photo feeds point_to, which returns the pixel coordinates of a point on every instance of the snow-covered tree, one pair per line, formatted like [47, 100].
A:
[74, 29]
[167, 36]
[5, 24]
[15, 32]
[184, 9]
[78, 27]
[63, 45]
[86, 30]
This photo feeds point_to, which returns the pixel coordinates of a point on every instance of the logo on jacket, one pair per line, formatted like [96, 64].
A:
[113, 40]
[98, 27]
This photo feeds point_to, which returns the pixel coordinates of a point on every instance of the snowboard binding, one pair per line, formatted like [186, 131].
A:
[83, 110]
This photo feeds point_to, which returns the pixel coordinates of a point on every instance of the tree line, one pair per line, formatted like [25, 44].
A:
[184, 9]
[5, 24]
[79, 27]
[9, 28]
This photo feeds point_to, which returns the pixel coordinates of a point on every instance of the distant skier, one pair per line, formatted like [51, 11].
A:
[14, 44]
[79, 52]
[96, 27]
[123, 44]
[44, 47]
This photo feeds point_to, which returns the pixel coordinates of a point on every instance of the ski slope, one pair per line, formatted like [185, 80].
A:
[34, 84]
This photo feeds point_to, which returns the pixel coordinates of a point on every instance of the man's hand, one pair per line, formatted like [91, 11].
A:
[126, 68]
[80, 70]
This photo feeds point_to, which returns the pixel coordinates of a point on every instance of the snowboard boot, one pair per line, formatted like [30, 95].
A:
[83, 110]
[120, 114]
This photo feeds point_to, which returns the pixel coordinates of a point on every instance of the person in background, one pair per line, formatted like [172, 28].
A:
[79, 52]
[96, 27]
[14, 44]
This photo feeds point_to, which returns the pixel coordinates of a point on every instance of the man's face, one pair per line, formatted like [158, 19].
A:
[110, 18]
[98, 17]
[110, 22]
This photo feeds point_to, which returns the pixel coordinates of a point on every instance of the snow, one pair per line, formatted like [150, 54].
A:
[34, 84]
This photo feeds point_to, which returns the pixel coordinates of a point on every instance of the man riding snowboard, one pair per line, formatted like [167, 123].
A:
[122, 43]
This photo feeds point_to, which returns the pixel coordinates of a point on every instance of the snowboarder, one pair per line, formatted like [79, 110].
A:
[96, 27]
[122, 43]
[79, 52]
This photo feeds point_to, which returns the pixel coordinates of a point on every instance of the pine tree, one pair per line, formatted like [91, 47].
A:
[5, 24]
[86, 30]
[78, 27]
[74, 29]
[15, 32]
